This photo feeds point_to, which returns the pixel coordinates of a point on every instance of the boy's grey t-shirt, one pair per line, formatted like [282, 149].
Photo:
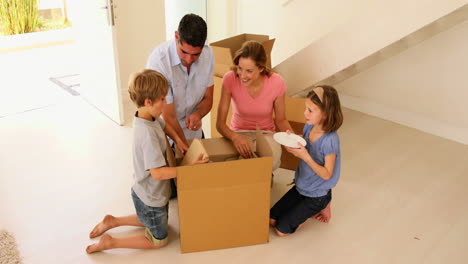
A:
[149, 151]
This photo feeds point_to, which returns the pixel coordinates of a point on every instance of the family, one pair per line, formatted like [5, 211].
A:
[175, 92]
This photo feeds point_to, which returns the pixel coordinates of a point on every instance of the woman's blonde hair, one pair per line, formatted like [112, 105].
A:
[148, 84]
[255, 51]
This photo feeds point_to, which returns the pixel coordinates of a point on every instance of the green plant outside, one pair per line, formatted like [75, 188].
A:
[19, 16]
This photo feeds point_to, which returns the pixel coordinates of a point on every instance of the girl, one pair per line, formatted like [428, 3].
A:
[319, 169]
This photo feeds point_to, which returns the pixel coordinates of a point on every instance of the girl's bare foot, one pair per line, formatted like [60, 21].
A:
[325, 215]
[104, 243]
[299, 226]
[106, 224]
[280, 234]
[272, 222]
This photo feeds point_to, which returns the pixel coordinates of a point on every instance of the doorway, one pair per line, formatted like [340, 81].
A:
[52, 72]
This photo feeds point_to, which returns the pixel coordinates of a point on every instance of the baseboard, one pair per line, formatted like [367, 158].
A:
[33, 40]
[424, 124]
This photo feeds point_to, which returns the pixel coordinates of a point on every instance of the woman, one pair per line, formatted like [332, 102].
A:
[256, 93]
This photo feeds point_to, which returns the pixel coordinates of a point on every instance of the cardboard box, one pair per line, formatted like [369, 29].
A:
[223, 204]
[295, 115]
[224, 52]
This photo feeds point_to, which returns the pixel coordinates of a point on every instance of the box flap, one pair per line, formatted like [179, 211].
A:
[235, 42]
[224, 50]
[257, 37]
[195, 149]
[268, 45]
[220, 149]
[216, 146]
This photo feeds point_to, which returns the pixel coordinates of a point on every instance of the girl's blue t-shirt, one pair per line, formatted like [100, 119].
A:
[309, 183]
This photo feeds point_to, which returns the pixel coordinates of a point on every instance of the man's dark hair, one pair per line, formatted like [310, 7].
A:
[192, 30]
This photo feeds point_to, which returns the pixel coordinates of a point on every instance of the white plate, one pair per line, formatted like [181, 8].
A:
[289, 140]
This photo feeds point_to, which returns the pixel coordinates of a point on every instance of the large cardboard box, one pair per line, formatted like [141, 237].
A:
[224, 53]
[223, 203]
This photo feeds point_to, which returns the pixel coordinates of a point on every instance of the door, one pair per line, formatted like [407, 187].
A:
[99, 69]
[115, 38]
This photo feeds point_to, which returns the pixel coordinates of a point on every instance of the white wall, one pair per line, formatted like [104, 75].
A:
[176, 9]
[425, 87]
[49, 4]
[221, 17]
[295, 23]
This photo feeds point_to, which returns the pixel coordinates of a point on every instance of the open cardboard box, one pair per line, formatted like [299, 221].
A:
[223, 204]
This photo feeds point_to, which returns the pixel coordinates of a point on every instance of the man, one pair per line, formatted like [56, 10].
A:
[188, 65]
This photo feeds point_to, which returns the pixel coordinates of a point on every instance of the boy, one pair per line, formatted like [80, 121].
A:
[151, 191]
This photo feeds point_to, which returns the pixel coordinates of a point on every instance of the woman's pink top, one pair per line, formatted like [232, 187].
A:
[249, 112]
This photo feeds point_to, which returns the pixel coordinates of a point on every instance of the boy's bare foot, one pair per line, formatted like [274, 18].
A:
[106, 224]
[325, 215]
[104, 243]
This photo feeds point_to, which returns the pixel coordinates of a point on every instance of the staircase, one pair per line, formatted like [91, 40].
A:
[385, 30]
